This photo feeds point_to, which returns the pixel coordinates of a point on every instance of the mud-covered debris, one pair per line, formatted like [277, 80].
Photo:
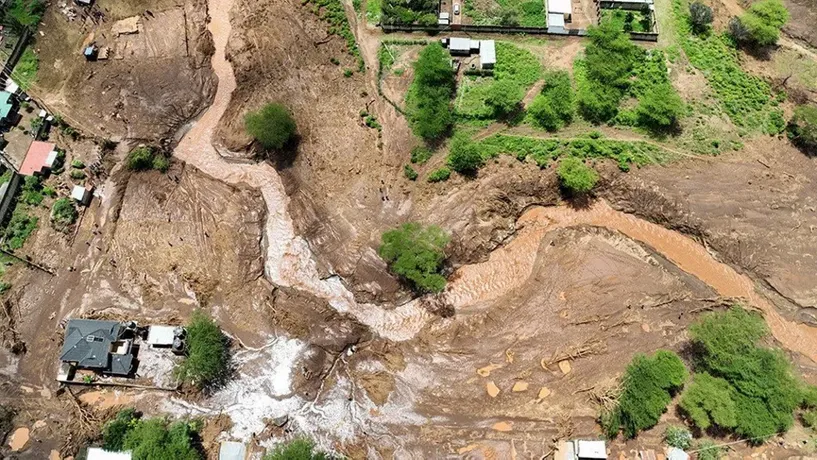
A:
[492, 389]
[519, 387]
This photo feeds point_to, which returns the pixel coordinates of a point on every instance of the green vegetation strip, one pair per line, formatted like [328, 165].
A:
[332, 11]
[542, 151]
[25, 72]
[746, 98]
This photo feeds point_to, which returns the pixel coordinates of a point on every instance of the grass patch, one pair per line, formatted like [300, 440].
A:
[525, 13]
[543, 151]
[628, 20]
[373, 10]
[25, 72]
[746, 99]
[332, 12]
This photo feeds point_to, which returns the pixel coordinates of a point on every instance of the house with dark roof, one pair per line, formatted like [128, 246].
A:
[100, 346]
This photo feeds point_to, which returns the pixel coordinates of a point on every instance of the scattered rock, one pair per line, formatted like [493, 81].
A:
[503, 426]
[565, 366]
[486, 371]
[39, 424]
[645, 327]
[493, 390]
[520, 386]
[54, 455]
[544, 393]
[19, 439]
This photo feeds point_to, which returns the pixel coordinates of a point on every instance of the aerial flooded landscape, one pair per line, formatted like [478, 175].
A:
[405, 229]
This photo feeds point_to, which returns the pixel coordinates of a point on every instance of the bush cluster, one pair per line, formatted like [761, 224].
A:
[422, 12]
[802, 128]
[272, 126]
[647, 388]
[416, 253]
[738, 385]
[143, 158]
[554, 107]
[150, 439]
[678, 437]
[430, 93]
[298, 449]
[207, 363]
[464, 156]
[332, 12]
[25, 14]
[761, 23]
[63, 214]
[439, 175]
[19, 228]
[575, 176]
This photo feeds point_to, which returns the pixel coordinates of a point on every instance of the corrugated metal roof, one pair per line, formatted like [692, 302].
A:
[556, 20]
[95, 453]
[592, 449]
[459, 44]
[5, 104]
[560, 6]
[487, 52]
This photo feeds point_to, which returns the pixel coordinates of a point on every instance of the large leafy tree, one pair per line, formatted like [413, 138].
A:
[575, 176]
[708, 402]
[416, 253]
[208, 357]
[431, 92]
[272, 126]
[26, 14]
[464, 156]
[761, 24]
[504, 97]
[660, 107]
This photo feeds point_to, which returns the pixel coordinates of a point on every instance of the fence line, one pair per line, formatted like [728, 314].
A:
[487, 29]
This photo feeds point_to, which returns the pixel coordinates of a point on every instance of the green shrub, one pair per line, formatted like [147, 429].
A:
[31, 191]
[25, 72]
[708, 450]
[49, 192]
[554, 107]
[464, 156]
[409, 172]
[155, 439]
[298, 449]
[678, 437]
[575, 176]
[763, 389]
[708, 402]
[597, 101]
[809, 418]
[416, 253]
[647, 388]
[420, 154]
[63, 213]
[114, 432]
[439, 175]
[19, 228]
[77, 174]
[430, 93]
[802, 128]
[78, 164]
[208, 358]
[763, 21]
[272, 126]
[659, 108]
[407, 12]
[504, 97]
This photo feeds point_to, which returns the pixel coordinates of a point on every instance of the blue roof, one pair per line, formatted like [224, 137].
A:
[5, 104]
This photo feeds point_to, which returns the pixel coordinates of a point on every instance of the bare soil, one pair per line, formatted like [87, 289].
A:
[153, 82]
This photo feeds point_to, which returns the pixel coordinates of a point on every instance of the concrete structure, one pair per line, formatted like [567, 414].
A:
[100, 346]
[161, 336]
[39, 158]
[487, 54]
[96, 453]
[231, 450]
[445, 18]
[580, 450]
[563, 7]
[556, 22]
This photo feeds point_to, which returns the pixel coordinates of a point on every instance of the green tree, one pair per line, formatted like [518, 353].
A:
[464, 156]
[763, 21]
[598, 102]
[144, 158]
[647, 388]
[554, 107]
[504, 97]
[610, 55]
[298, 449]
[708, 402]
[430, 94]
[208, 358]
[63, 213]
[26, 14]
[272, 126]
[802, 128]
[700, 16]
[575, 176]
[659, 108]
[114, 432]
[416, 253]
[154, 439]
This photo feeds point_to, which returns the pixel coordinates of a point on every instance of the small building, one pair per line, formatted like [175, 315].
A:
[556, 22]
[459, 46]
[97, 453]
[90, 52]
[6, 107]
[231, 450]
[39, 158]
[487, 54]
[563, 7]
[100, 346]
[161, 336]
[581, 449]
[82, 194]
[11, 87]
[444, 19]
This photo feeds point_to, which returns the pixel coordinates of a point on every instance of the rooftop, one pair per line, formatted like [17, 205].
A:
[6, 103]
[37, 158]
[89, 344]
[559, 6]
